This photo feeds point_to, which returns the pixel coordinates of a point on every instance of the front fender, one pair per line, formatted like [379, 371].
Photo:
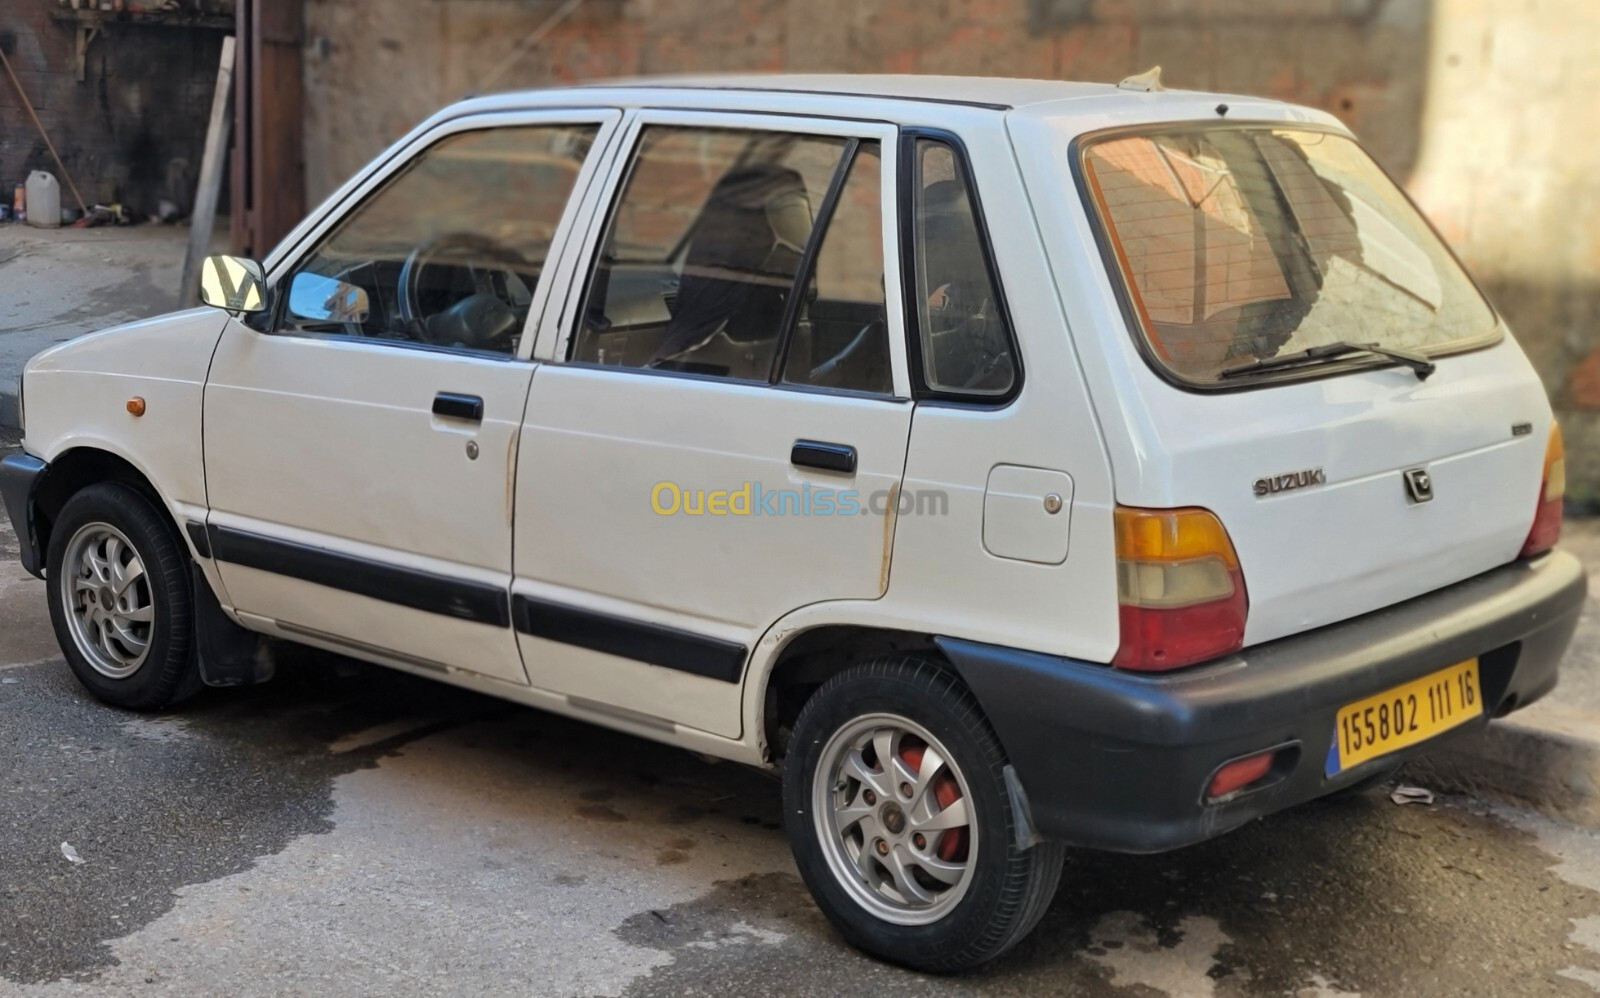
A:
[78, 396]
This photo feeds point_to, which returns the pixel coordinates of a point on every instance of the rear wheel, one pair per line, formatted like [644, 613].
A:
[897, 811]
[120, 600]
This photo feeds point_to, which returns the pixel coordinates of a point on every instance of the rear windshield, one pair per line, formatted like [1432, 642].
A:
[1238, 243]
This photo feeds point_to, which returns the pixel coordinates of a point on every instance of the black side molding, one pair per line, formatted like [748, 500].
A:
[479, 602]
[826, 456]
[454, 406]
[198, 537]
[654, 644]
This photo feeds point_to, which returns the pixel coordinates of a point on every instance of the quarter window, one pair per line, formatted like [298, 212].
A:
[966, 345]
[699, 260]
[449, 252]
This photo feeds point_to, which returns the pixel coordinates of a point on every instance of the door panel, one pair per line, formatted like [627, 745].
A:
[334, 446]
[360, 457]
[663, 522]
[606, 452]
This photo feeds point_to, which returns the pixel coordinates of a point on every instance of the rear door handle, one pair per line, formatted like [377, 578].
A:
[824, 456]
[454, 406]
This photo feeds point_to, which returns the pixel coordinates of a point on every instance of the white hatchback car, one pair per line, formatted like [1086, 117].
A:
[1017, 465]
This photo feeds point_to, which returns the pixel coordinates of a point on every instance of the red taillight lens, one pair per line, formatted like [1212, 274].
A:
[1181, 593]
[1547, 517]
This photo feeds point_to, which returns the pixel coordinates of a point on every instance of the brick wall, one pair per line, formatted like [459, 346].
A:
[143, 105]
[1484, 108]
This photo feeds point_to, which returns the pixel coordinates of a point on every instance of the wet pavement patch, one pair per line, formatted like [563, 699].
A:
[152, 803]
[1356, 896]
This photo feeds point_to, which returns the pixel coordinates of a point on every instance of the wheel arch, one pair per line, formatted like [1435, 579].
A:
[78, 467]
[808, 657]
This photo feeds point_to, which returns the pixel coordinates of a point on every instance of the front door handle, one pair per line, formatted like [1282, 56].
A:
[824, 456]
[454, 406]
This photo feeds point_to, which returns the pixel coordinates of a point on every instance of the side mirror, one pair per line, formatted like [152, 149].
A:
[318, 298]
[233, 283]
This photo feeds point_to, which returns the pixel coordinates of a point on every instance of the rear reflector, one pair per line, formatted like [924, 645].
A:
[1181, 593]
[1547, 517]
[1239, 774]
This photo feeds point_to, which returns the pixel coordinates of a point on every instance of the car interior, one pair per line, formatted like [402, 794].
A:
[716, 305]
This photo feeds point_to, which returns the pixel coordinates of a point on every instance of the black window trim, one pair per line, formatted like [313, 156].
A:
[1076, 153]
[847, 157]
[909, 138]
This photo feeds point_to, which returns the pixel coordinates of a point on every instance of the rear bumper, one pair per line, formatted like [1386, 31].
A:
[1119, 760]
[19, 478]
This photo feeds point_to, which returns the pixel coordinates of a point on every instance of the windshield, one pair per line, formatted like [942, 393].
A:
[1245, 242]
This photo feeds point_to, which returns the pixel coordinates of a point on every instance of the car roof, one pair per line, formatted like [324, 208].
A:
[980, 91]
[951, 102]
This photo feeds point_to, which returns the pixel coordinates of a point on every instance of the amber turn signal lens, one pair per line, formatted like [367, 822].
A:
[1145, 535]
[136, 406]
[1546, 528]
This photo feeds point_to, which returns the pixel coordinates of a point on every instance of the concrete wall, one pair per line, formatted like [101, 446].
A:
[1485, 108]
[1510, 172]
[143, 105]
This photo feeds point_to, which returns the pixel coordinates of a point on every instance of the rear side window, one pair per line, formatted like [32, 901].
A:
[1243, 243]
[841, 331]
[704, 250]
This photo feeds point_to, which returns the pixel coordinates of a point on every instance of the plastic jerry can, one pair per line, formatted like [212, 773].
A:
[44, 200]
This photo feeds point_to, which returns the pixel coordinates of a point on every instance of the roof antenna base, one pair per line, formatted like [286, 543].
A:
[1148, 82]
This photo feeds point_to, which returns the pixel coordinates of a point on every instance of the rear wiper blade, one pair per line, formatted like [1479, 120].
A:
[1420, 365]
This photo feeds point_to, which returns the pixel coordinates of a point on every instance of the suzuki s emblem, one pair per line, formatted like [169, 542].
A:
[1419, 485]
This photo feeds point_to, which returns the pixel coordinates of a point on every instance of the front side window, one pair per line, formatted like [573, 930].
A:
[966, 344]
[449, 251]
[1239, 244]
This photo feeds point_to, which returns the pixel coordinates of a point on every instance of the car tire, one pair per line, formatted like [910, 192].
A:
[969, 892]
[120, 599]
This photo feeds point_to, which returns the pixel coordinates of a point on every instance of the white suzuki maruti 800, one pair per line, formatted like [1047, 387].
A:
[1017, 465]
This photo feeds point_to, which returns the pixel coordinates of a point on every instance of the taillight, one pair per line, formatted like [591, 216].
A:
[1181, 591]
[1547, 519]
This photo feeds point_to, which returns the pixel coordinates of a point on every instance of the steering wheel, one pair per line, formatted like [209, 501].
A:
[484, 318]
[828, 367]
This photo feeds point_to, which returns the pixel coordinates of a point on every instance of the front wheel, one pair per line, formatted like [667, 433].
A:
[120, 600]
[897, 811]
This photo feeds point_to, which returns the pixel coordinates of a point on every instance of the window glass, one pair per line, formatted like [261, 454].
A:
[841, 335]
[702, 250]
[966, 347]
[1244, 243]
[448, 252]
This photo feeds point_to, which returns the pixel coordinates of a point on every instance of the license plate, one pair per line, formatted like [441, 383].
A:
[1410, 713]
